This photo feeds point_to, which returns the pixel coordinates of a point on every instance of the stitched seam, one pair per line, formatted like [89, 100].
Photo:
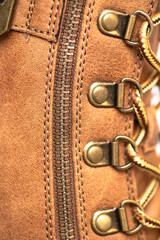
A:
[34, 30]
[48, 114]
[50, 17]
[139, 59]
[30, 12]
[129, 119]
[78, 123]
[45, 107]
[46, 135]
[46, 140]
[151, 7]
[29, 16]
[54, 21]
[34, 34]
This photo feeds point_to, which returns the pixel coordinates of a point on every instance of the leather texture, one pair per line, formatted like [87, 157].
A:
[28, 57]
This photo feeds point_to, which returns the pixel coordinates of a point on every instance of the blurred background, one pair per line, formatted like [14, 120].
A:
[155, 100]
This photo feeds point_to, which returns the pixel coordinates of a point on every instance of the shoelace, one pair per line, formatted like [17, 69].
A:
[141, 114]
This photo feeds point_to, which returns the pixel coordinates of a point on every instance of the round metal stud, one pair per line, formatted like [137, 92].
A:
[95, 154]
[100, 94]
[110, 22]
[103, 222]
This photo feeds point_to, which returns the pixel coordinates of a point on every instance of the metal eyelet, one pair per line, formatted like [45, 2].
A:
[131, 80]
[133, 202]
[132, 142]
[151, 27]
[114, 220]
[119, 24]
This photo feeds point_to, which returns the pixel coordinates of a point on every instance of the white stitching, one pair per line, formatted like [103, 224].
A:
[78, 123]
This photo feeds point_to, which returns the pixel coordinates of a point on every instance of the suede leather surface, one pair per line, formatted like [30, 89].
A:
[41, 19]
[26, 145]
[23, 74]
[28, 58]
[102, 58]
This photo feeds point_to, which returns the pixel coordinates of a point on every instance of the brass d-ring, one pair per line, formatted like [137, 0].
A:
[133, 231]
[149, 21]
[132, 142]
[131, 80]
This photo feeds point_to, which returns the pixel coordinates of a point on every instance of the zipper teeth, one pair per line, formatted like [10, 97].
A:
[65, 204]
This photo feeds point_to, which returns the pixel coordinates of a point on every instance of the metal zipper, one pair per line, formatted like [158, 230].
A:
[64, 189]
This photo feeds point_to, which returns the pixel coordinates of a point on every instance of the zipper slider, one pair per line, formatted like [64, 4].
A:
[6, 10]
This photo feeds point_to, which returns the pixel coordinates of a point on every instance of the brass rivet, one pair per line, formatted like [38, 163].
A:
[110, 22]
[103, 222]
[100, 94]
[95, 154]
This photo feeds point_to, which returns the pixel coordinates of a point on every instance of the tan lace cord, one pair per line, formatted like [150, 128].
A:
[139, 161]
[151, 81]
[141, 114]
[158, 107]
[145, 44]
[149, 193]
[146, 220]
[141, 216]
[141, 134]
[140, 110]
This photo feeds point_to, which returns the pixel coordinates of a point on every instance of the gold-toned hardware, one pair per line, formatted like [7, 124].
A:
[124, 221]
[136, 204]
[120, 94]
[97, 154]
[105, 153]
[119, 24]
[110, 221]
[100, 94]
[133, 81]
[116, 160]
[6, 9]
[151, 27]
[117, 20]
[115, 154]
[105, 222]
[110, 94]
[110, 21]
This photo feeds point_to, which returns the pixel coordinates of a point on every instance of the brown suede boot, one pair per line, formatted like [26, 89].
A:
[78, 132]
